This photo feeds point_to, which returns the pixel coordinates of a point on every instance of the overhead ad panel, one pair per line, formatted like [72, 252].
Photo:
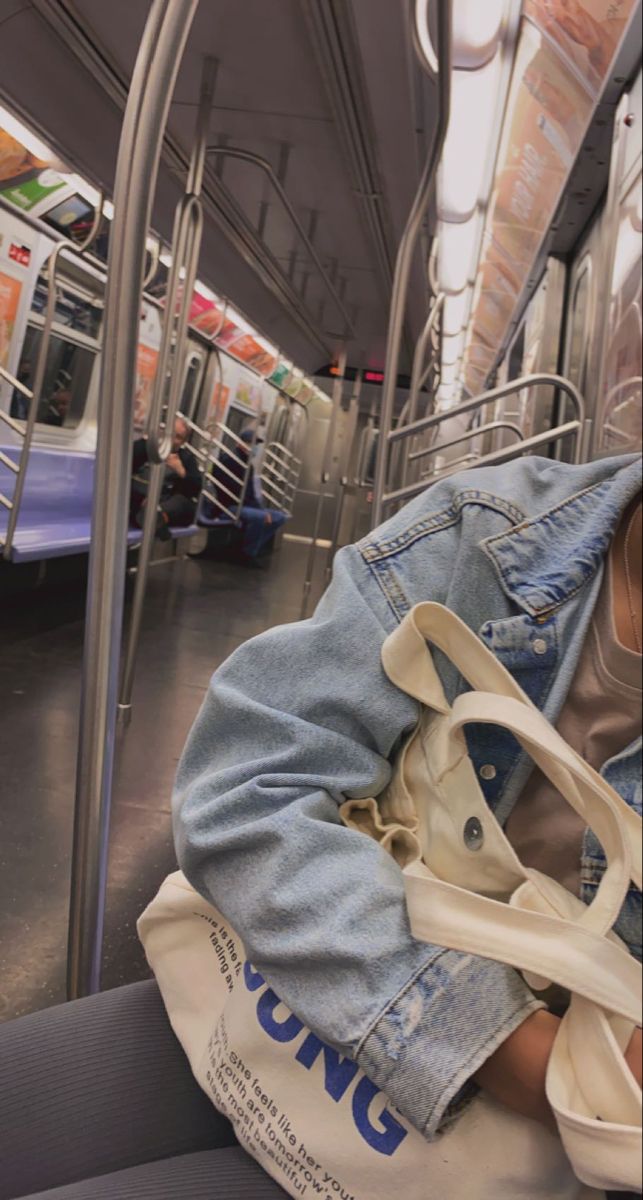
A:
[564, 56]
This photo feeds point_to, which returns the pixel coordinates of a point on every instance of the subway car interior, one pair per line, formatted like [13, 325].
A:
[337, 249]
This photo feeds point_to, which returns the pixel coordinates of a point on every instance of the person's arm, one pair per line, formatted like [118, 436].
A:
[515, 1073]
[293, 722]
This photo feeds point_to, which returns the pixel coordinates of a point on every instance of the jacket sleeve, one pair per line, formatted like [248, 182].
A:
[139, 454]
[191, 485]
[295, 721]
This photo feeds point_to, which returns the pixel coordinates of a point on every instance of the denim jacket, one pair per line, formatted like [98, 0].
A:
[303, 716]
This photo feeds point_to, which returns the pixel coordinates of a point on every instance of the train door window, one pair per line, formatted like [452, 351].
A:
[516, 354]
[281, 425]
[576, 357]
[237, 419]
[77, 308]
[619, 424]
[68, 373]
[72, 351]
[192, 386]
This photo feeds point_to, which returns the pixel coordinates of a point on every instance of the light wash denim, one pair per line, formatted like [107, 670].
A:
[304, 716]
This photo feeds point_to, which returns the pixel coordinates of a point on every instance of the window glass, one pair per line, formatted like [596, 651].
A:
[66, 383]
[578, 330]
[190, 393]
[620, 420]
[74, 310]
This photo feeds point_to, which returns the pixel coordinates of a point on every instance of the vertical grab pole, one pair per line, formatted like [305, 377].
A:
[338, 388]
[144, 122]
[441, 71]
[186, 243]
[343, 481]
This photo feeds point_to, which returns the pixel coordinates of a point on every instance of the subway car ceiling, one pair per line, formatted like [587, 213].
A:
[332, 97]
[298, 83]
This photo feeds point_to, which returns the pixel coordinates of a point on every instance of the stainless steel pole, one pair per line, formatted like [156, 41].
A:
[407, 250]
[338, 388]
[144, 122]
[343, 481]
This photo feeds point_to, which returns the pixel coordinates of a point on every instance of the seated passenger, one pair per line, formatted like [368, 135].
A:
[259, 523]
[544, 560]
[181, 483]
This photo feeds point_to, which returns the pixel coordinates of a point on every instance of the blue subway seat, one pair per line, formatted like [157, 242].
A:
[55, 514]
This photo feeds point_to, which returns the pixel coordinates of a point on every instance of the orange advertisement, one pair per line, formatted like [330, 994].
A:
[548, 112]
[205, 314]
[218, 406]
[249, 351]
[146, 360]
[10, 289]
[587, 33]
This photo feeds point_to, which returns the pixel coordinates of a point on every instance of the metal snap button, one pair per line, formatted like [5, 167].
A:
[488, 771]
[540, 646]
[473, 834]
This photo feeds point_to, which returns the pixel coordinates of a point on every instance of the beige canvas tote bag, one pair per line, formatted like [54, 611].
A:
[309, 1116]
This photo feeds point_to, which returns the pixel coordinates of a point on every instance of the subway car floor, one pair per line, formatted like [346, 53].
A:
[197, 612]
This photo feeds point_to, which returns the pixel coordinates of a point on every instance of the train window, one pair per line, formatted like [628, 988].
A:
[576, 354]
[191, 386]
[620, 421]
[75, 308]
[67, 378]
[517, 353]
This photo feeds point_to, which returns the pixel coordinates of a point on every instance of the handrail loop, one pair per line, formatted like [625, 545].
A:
[442, 74]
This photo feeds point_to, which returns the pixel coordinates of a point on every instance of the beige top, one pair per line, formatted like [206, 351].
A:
[601, 717]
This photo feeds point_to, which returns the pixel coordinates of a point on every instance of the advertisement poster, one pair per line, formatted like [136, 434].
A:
[549, 110]
[249, 351]
[146, 360]
[218, 406]
[280, 375]
[586, 33]
[10, 289]
[205, 314]
[248, 391]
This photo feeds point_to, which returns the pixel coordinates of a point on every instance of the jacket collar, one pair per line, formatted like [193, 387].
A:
[544, 561]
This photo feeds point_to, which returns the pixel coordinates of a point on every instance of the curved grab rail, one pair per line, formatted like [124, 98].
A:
[424, 47]
[571, 428]
[499, 393]
[409, 241]
[155, 255]
[432, 270]
[470, 435]
[258, 161]
[419, 375]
